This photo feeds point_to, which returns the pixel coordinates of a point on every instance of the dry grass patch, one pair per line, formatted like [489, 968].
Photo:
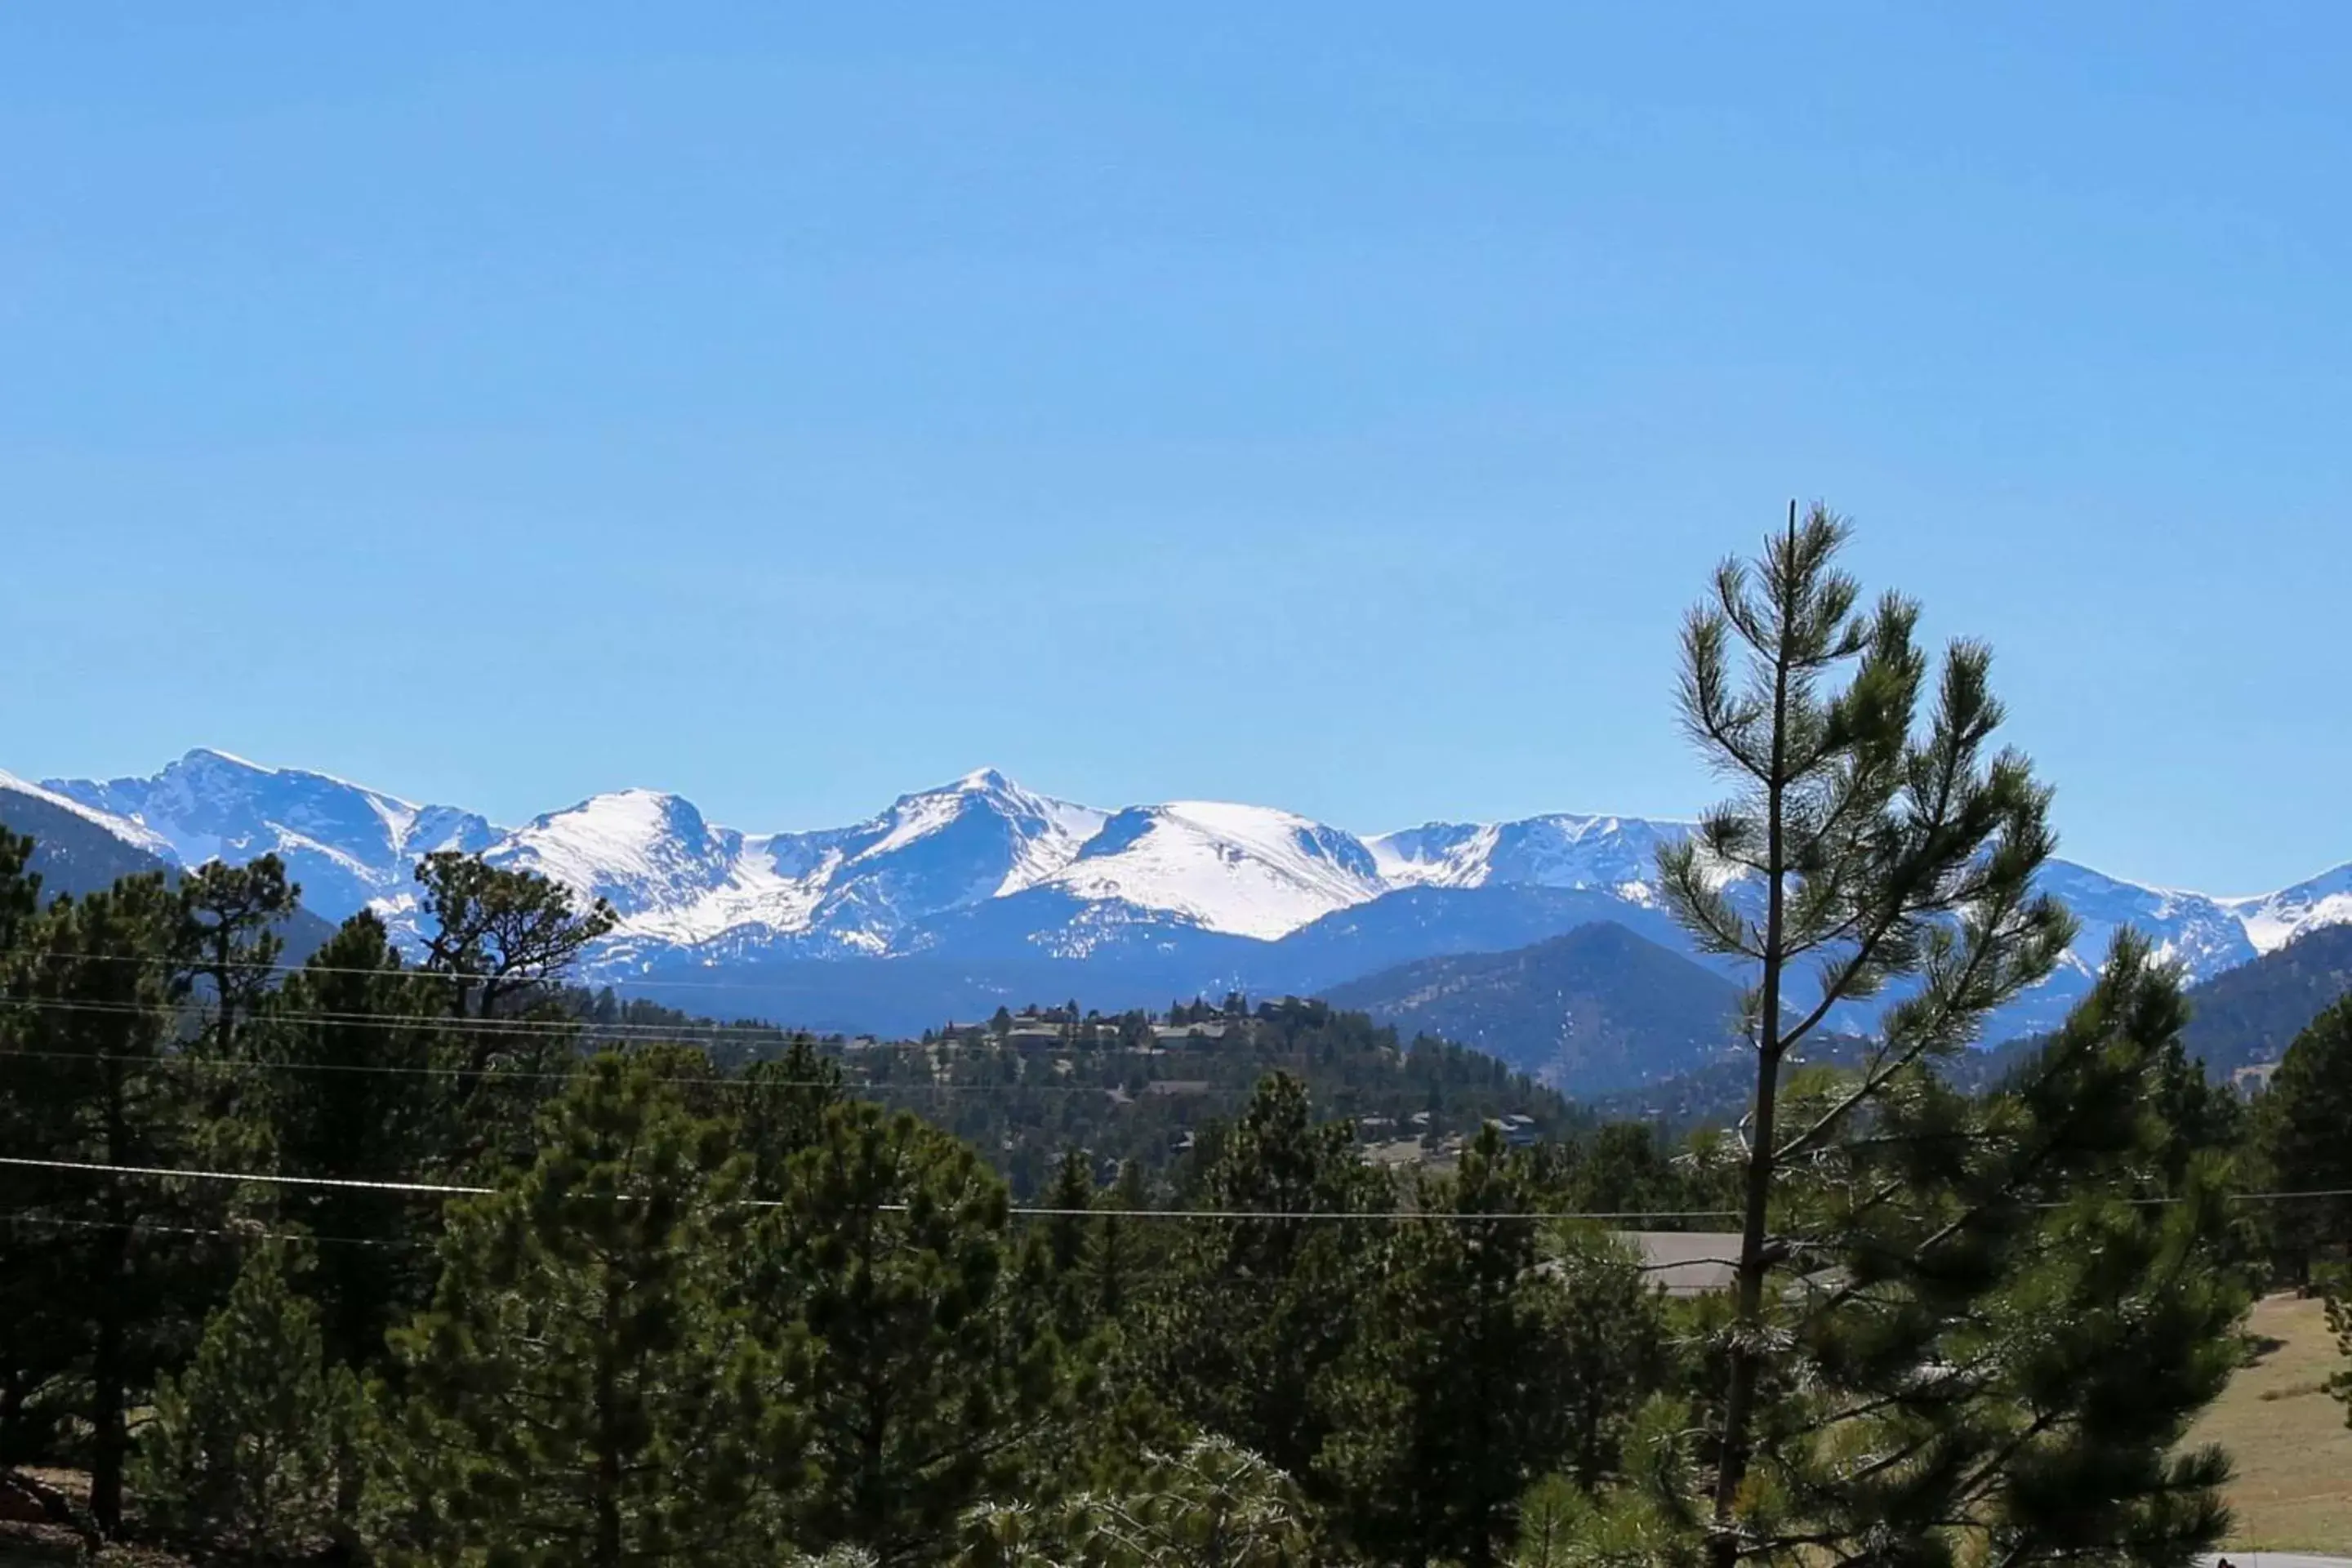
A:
[2293, 1491]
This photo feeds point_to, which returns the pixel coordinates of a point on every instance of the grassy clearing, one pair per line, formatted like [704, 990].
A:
[2293, 1491]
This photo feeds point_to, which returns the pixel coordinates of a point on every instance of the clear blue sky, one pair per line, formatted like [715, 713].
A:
[1328, 405]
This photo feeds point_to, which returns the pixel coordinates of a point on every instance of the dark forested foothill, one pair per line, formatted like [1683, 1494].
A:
[1025, 1088]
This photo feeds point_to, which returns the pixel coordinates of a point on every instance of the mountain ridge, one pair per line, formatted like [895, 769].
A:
[1596, 1010]
[78, 851]
[985, 871]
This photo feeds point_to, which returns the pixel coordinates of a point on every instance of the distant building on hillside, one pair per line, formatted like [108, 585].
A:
[2250, 1081]
[1518, 1130]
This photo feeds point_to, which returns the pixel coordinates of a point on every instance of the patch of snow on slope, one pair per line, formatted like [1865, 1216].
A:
[2273, 920]
[644, 852]
[1593, 853]
[1063, 832]
[1245, 870]
[756, 896]
[129, 830]
[914, 818]
[1435, 855]
[2188, 929]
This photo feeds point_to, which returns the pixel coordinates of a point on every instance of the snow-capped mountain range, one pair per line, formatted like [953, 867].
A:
[981, 873]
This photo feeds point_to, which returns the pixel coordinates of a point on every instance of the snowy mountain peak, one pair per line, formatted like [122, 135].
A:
[984, 781]
[1052, 876]
[212, 756]
[347, 845]
[642, 850]
[1245, 870]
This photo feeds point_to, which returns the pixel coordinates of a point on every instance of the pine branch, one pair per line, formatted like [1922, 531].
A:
[1874, 1080]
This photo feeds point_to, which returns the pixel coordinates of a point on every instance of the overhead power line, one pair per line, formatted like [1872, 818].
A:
[853, 1086]
[438, 1189]
[417, 973]
[441, 1189]
[525, 1028]
[567, 1028]
[406, 971]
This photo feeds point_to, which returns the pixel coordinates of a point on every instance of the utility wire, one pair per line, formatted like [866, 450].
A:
[92, 1167]
[245, 1233]
[1021, 1211]
[846, 1085]
[1032, 1212]
[523, 1027]
[200, 965]
[272, 967]
[518, 1026]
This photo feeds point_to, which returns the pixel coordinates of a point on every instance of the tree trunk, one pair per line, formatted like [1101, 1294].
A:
[1731, 1460]
[110, 1437]
[608, 1439]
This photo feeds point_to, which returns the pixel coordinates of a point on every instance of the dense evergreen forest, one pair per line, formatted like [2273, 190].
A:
[636, 1288]
[449, 1261]
[433, 1257]
[1137, 1087]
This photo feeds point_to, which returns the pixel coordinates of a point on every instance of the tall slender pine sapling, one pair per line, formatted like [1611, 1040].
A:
[1859, 845]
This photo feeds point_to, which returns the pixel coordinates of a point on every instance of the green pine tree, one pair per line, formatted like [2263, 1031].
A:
[228, 976]
[1553, 1515]
[584, 1390]
[498, 936]
[1481, 1366]
[1070, 1248]
[1952, 1322]
[1208, 1504]
[232, 913]
[1877, 854]
[2003, 1319]
[781, 1109]
[1622, 1169]
[27, 1254]
[935, 1379]
[355, 1099]
[499, 942]
[1125, 1255]
[106, 1279]
[20, 896]
[1253, 1317]
[246, 1449]
[2305, 1139]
